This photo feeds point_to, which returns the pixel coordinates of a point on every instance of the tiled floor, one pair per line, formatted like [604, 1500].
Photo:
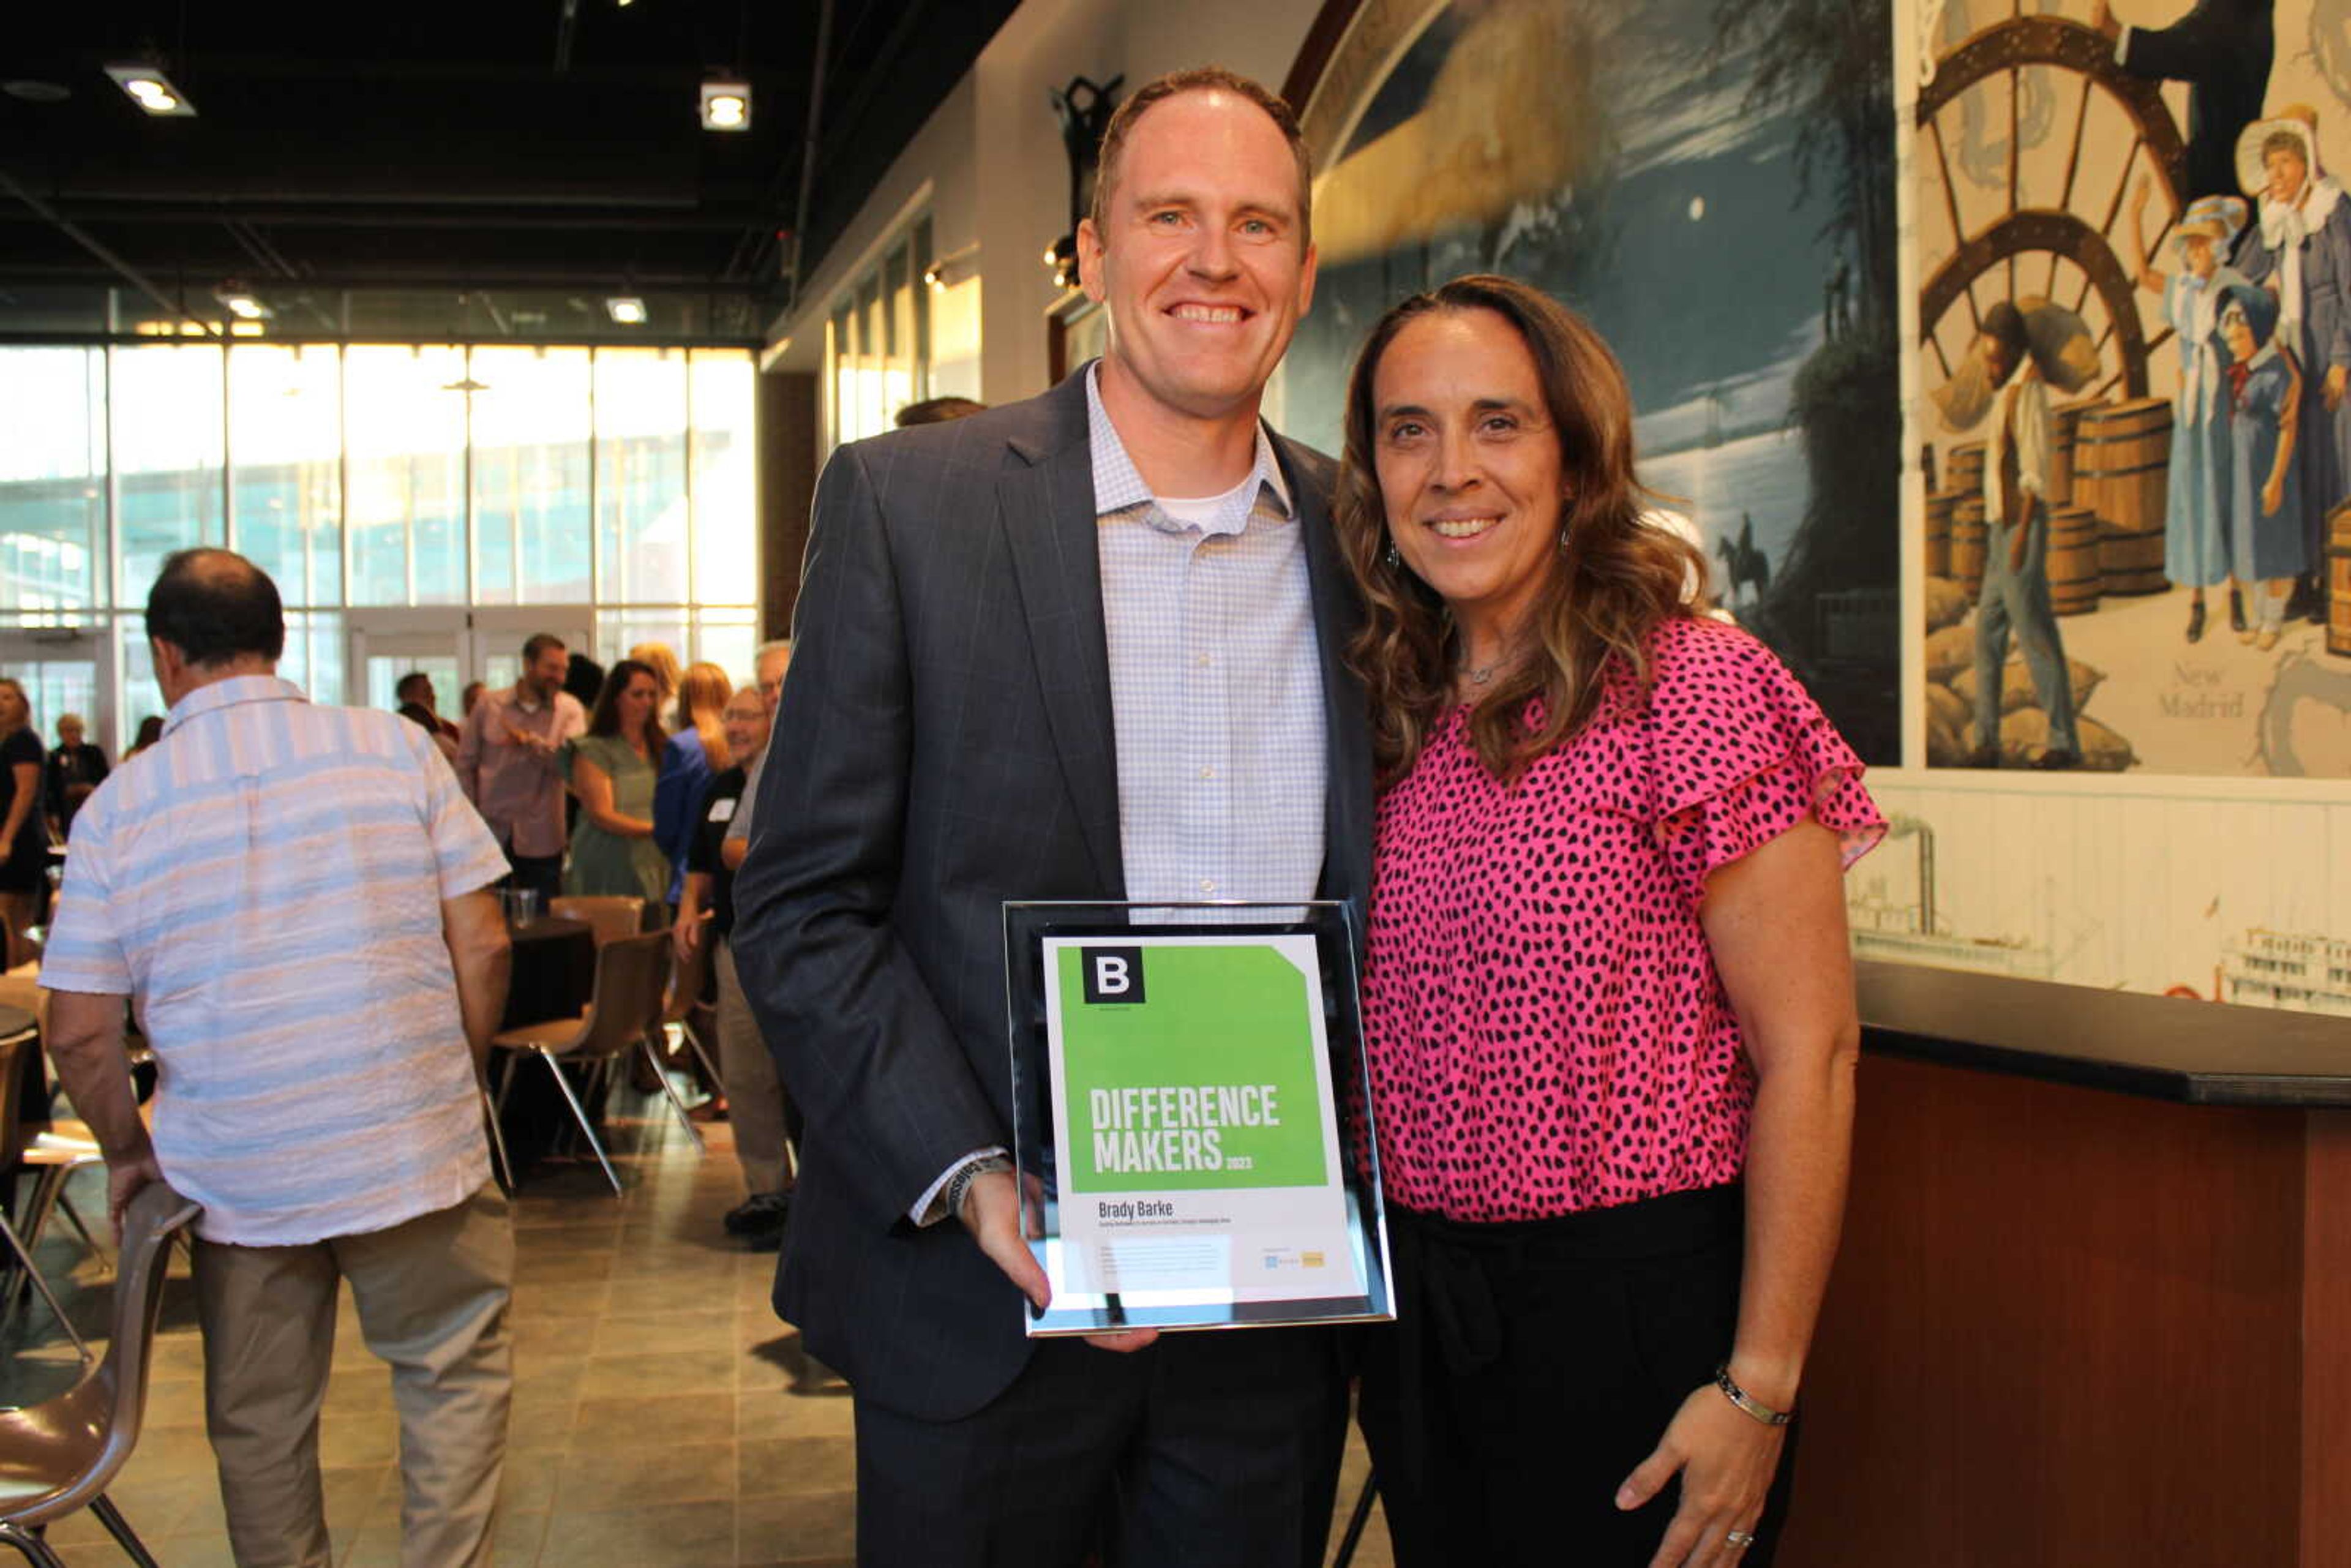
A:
[662, 1417]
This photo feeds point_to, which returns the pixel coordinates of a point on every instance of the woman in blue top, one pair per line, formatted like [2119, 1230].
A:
[696, 754]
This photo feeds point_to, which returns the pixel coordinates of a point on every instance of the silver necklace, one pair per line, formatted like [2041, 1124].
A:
[1483, 674]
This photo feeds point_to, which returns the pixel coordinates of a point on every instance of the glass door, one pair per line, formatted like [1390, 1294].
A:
[452, 648]
[494, 654]
[60, 673]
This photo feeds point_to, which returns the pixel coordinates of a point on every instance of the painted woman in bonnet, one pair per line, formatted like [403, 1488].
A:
[2196, 535]
[2300, 250]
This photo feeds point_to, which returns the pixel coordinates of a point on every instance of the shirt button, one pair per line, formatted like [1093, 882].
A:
[1201, 660]
[1208, 885]
[1208, 773]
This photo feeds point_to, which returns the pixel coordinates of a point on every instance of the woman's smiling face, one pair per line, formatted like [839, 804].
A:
[1471, 475]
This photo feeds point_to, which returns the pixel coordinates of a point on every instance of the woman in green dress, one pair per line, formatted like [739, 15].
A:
[612, 769]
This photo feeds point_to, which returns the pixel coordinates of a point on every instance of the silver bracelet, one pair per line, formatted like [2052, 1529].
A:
[959, 1185]
[1747, 1403]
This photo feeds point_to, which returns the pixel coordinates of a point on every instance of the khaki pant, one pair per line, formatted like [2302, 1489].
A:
[755, 1099]
[432, 1297]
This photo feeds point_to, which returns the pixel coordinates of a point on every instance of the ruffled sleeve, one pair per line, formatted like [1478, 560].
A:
[1739, 753]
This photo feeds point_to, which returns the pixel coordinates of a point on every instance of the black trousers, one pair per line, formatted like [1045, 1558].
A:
[1534, 1365]
[541, 873]
[1205, 1450]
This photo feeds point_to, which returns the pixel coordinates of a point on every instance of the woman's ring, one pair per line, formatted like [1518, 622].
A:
[1741, 1540]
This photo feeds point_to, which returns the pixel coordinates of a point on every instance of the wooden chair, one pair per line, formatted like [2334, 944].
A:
[612, 918]
[62, 1454]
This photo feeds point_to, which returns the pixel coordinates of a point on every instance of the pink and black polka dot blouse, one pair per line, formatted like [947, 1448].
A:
[1547, 1032]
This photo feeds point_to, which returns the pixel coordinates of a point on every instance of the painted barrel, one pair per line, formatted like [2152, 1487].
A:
[2073, 576]
[1967, 540]
[1966, 468]
[2130, 563]
[1940, 507]
[2122, 453]
[2338, 581]
[2067, 422]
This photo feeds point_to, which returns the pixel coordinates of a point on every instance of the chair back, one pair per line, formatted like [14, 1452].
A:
[13, 1137]
[628, 976]
[153, 1218]
[100, 1417]
[611, 916]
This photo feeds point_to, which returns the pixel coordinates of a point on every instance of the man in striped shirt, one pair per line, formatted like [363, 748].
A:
[292, 897]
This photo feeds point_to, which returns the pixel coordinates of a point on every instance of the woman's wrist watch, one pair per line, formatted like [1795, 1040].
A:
[1747, 1403]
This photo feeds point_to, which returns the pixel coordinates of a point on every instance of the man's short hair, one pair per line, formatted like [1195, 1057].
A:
[410, 683]
[539, 644]
[1202, 79]
[937, 410]
[776, 645]
[214, 605]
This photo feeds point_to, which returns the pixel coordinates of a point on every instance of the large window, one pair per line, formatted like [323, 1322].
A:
[284, 454]
[531, 475]
[614, 488]
[52, 479]
[877, 342]
[641, 503]
[405, 437]
[167, 435]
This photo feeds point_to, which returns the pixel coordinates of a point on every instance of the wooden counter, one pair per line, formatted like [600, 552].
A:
[2093, 1303]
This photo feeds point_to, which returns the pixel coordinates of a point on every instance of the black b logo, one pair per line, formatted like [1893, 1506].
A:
[1114, 975]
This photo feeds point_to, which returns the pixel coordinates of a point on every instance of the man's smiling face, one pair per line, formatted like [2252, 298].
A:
[1204, 265]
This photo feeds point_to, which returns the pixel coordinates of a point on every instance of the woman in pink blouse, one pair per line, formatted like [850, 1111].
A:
[1607, 994]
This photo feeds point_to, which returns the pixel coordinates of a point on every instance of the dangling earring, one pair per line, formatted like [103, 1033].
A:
[1394, 557]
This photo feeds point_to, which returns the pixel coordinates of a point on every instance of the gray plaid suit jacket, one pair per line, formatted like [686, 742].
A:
[945, 742]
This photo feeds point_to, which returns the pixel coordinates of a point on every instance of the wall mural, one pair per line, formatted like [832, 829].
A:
[2203, 894]
[2134, 297]
[2134, 274]
[1712, 182]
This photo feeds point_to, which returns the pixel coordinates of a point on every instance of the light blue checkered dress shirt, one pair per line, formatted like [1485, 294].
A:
[1216, 683]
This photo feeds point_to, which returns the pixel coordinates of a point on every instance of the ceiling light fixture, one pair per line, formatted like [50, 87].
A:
[151, 90]
[725, 105]
[627, 309]
[241, 302]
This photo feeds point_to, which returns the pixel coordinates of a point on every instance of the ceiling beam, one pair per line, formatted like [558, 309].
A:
[458, 279]
[82, 237]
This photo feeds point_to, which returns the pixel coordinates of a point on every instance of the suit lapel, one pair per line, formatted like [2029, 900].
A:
[1347, 841]
[1045, 504]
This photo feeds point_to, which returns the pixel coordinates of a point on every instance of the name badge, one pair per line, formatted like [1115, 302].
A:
[723, 810]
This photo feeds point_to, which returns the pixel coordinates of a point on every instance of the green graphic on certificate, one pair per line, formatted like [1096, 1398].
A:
[1188, 1171]
[1189, 1067]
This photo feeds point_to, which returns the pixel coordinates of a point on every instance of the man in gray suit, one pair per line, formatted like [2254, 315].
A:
[1087, 646]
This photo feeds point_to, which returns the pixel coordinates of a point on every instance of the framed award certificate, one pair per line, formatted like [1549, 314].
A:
[1192, 1145]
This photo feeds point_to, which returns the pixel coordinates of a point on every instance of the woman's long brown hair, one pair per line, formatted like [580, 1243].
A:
[701, 694]
[1614, 579]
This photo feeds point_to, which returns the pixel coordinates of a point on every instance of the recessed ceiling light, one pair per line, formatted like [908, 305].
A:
[151, 90]
[726, 105]
[241, 302]
[627, 309]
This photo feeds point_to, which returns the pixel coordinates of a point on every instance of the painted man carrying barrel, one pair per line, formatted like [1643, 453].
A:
[2049, 345]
